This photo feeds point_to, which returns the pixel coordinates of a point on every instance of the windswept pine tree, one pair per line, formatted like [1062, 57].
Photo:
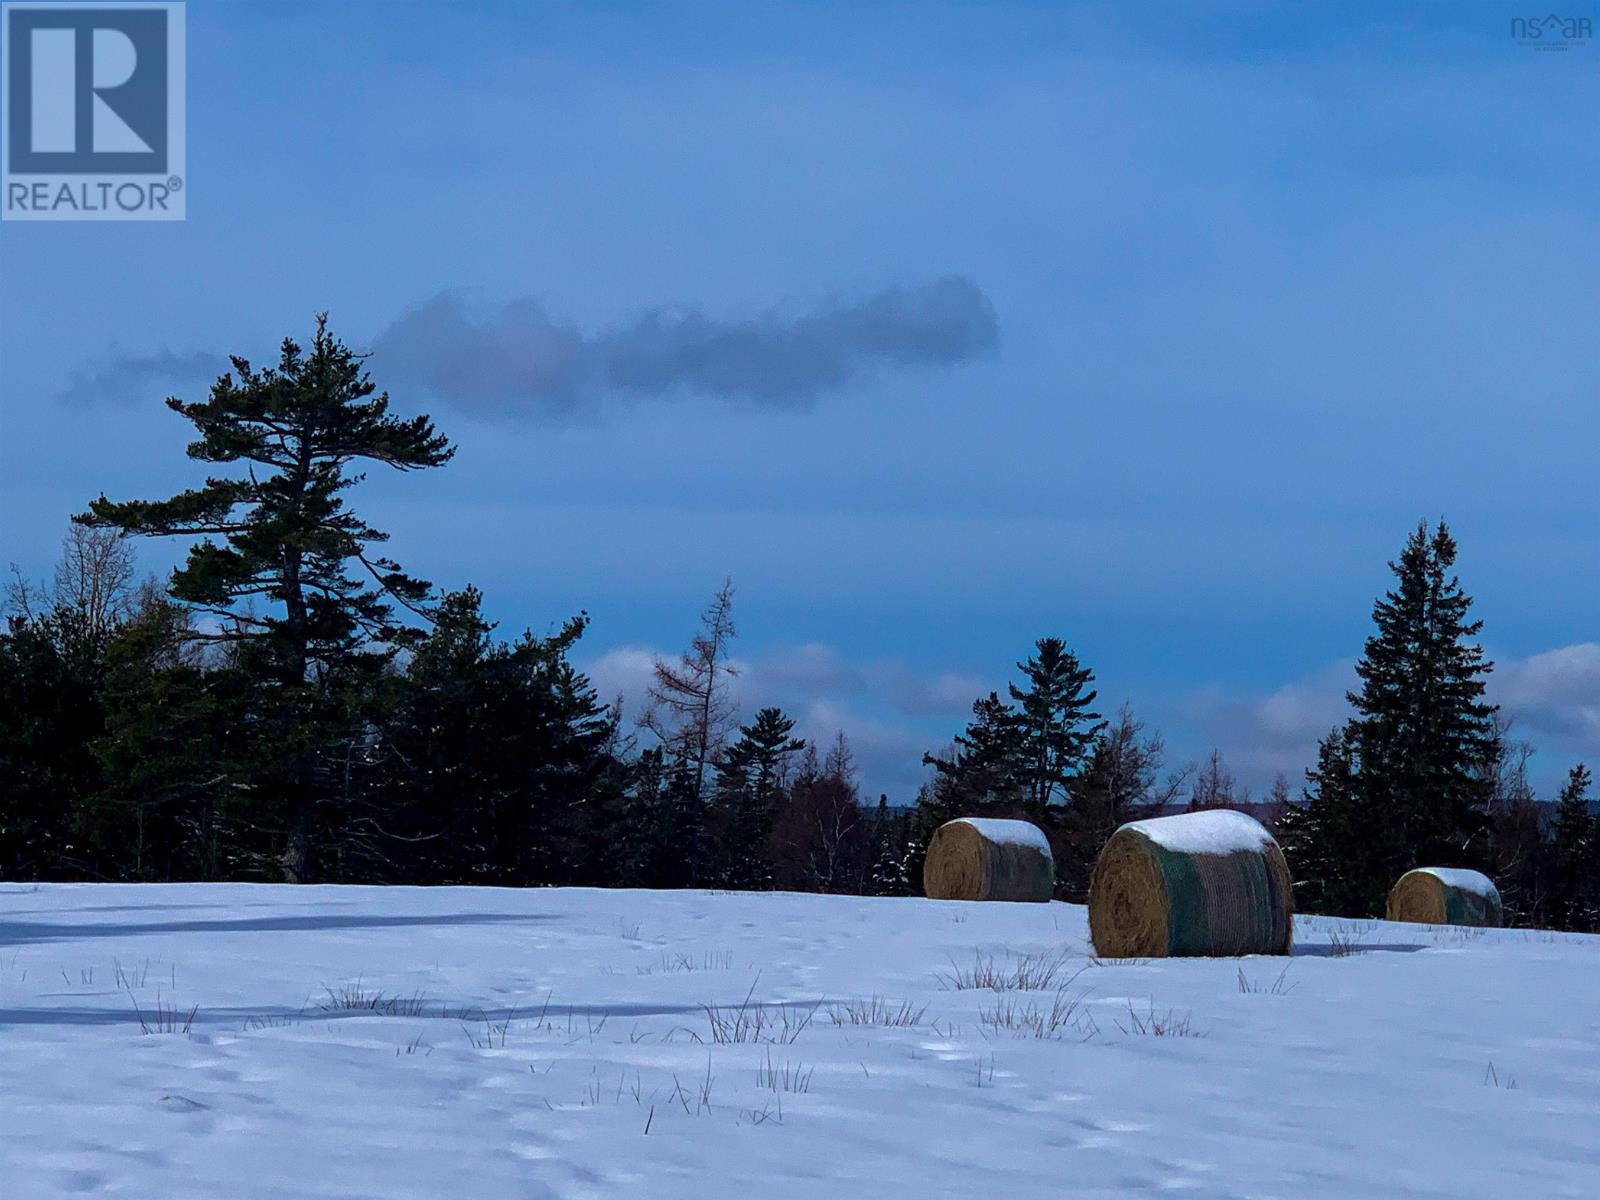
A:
[1407, 780]
[283, 568]
[284, 577]
[756, 763]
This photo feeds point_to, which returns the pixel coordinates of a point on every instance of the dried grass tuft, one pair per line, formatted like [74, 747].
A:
[1150, 1023]
[751, 1022]
[1029, 1019]
[879, 1012]
[1022, 973]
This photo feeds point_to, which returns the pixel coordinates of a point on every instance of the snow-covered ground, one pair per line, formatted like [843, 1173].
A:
[558, 1043]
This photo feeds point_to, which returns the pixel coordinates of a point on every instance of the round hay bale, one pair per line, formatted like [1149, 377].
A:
[1445, 896]
[1202, 883]
[976, 858]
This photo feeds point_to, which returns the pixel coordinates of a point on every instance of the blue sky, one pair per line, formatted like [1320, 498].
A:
[938, 329]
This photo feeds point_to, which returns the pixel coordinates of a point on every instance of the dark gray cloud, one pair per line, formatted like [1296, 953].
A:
[124, 379]
[516, 360]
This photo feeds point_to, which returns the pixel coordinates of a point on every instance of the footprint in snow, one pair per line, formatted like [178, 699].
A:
[182, 1103]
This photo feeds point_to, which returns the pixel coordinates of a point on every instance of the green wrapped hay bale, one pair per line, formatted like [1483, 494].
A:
[1203, 883]
[977, 858]
[1445, 896]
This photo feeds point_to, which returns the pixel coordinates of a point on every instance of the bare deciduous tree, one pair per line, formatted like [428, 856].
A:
[93, 578]
[1215, 786]
[95, 574]
[1122, 777]
[691, 709]
[822, 835]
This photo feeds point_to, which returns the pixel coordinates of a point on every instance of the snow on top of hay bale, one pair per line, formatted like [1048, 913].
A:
[1009, 833]
[1464, 880]
[1212, 831]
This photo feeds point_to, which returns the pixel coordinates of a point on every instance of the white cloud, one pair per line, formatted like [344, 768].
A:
[1552, 699]
[624, 671]
[1554, 695]
[1260, 736]
[889, 712]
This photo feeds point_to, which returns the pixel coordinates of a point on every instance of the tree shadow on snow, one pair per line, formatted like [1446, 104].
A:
[20, 933]
[1328, 950]
[278, 1015]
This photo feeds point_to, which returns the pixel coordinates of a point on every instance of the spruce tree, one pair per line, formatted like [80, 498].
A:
[168, 809]
[750, 778]
[1054, 724]
[980, 773]
[984, 768]
[1319, 834]
[1573, 844]
[1423, 731]
[891, 852]
[1407, 781]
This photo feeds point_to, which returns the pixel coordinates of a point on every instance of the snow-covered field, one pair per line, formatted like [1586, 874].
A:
[558, 1043]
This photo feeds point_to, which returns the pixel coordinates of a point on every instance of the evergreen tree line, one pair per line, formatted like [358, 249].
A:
[293, 705]
[130, 750]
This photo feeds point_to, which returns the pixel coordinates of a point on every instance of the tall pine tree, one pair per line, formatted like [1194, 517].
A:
[285, 577]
